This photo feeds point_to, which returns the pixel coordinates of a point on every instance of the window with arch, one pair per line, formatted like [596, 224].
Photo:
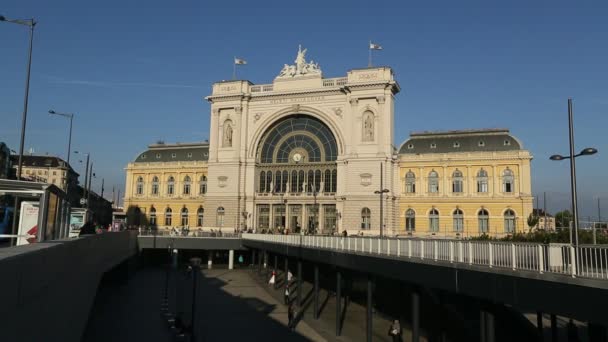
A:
[458, 220]
[170, 186]
[368, 126]
[203, 185]
[410, 182]
[294, 181]
[168, 214]
[482, 181]
[507, 181]
[139, 189]
[509, 221]
[410, 220]
[366, 219]
[262, 181]
[153, 216]
[285, 180]
[200, 214]
[269, 181]
[434, 220]
[220, 216]
[457, 181]
[327, 181]
[278, 180]
[187, 185]
[184, 216]
[334, 179]
[433, 182]
[155, 186]
[483, 219]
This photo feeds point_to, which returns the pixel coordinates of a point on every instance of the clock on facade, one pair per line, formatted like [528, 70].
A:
[297, 157]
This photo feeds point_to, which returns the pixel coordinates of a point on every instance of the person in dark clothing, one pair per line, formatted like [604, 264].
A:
[291, 317]
[88, 228]
[395, 331]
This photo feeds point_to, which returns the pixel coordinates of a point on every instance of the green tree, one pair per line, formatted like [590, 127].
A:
[563, 218]
[532, 221]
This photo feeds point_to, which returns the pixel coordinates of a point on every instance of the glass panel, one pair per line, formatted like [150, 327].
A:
[263, 216]
[329, 218]
[279, 216]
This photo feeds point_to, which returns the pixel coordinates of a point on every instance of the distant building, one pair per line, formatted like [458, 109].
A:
[47, 169]
[5, 161]
[545, 220]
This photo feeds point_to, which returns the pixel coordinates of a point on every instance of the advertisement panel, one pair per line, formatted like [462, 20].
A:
[77, 217]
[28, 223]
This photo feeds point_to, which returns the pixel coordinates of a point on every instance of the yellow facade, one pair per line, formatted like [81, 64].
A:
[477, 204]
[166, 186]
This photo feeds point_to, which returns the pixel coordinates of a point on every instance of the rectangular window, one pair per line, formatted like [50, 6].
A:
[457, 186]
[263, 216]
[434, 224]
[482, 186]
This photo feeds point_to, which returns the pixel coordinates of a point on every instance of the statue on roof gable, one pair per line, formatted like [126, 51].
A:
[301, 67]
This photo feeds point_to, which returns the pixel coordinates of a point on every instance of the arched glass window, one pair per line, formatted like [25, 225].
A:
[433, 182]
[187, 185]
[410, 220]
[262, 181]
[200, 214]
[220, 217]
[410, 183]
[170, 186]
[153, 216]
[457, 182]
[140, 186]
[484, 221]
[277, 181]
[509, 221]
[310, 183]
[203, 185]
[301, 176]
[269, 181]
[285, 181]
[366, 219]
[318, 180]
[168, 213]
[458, 218]
[155, 185]
[327, 181]
[294, 181]
[482, 181]
[507, 181]
[334, 179]
[434, 220]
[184, 216]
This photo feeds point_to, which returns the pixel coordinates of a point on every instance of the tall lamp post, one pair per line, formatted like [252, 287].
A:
[29, 23]
[585, 152]
[381, 192]
[71, 117]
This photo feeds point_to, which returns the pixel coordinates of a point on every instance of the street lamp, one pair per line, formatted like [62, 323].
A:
[71, 117]
[381, 193]
[30, 23]
[585, 152]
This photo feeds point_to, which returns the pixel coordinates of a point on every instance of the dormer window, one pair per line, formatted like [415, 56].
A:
[189, 154]
[433, 145]
[481, 143]
[143, 156]
[410, 146]
[158, 156]
[456, 144]
[173, 155]
[507, 142]
[205, 154]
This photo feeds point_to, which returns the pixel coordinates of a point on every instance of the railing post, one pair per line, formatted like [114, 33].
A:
[460, 251]
[513, 256]
[388, 247]
[435, 249]
[349, 243]
[491, 250]
[470, 253]
[409, 248]
[451, 251]
[398, 247]
[541, 259]
[573, 261]
[422, 249]
[379, 245]
[371, 246]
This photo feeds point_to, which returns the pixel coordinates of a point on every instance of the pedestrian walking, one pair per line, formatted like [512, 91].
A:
[286, 295]
[289, 277]
[272, 280]
[395, 331]
[291, 317]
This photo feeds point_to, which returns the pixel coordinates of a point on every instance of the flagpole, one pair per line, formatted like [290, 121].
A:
[369, 63]
[234, 68]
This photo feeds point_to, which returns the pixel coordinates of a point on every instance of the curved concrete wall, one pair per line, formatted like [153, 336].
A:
[47, 289]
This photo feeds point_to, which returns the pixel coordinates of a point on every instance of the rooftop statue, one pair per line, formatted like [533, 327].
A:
[301, 67]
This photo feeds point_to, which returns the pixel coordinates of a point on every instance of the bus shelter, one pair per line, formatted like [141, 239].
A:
[53, 209]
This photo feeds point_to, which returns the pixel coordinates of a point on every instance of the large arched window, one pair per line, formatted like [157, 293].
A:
[170, 186]
[153, 216]
[482, 181]
[458, 218]
[262, 181]
[327, 181]
[140, 186]
[509, 221]
[366, 219]
[301, 179]
[220, 217]
[334, 180]
[433, 182]
[155, 186]
[318, 180]
[278, 181]
[434, 220]
[184, 216]
[187, 185]
[168, 214]
[203, 185]
[457, 182]
[294, 181]
[269, 181]
[484, 221]
[410, 182]
[410, 220]
[199, 216]
[285, 183]
[507, 181]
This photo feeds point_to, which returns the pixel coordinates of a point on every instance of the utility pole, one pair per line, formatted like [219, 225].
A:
[102, 183]
[89, 190]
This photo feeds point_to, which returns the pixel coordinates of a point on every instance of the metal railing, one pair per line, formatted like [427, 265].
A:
[187, 233]
[592, 261]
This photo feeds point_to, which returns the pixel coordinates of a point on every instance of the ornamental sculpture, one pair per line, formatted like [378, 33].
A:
[300, 68]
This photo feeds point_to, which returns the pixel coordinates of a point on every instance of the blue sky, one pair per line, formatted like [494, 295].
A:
[137, 71]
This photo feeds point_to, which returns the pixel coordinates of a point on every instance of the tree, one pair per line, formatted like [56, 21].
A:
[532, 221]
[563, 218]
